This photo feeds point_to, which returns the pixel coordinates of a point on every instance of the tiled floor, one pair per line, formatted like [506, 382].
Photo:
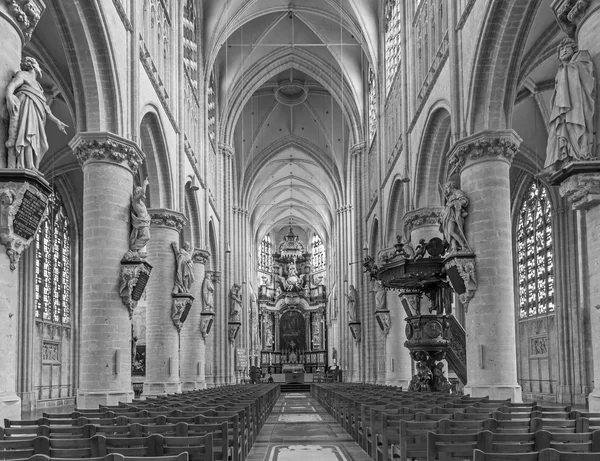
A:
[299, 429]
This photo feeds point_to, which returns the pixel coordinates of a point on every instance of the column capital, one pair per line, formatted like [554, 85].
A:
[226, 150]
[200, 255]
[106, 147]
[25, 14]
[357, 149]
[422, 217]
[484, 146]
[162, 217]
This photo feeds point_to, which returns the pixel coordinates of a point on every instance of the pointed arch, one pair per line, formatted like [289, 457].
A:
[213, 247]
[394, 224]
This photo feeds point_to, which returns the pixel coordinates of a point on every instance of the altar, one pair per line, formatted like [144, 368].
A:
[294, 372]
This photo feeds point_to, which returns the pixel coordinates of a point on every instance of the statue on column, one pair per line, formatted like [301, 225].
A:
[235, 303]
[453, 219]
[571, 124]
[351, 303]
[268, 326]
[184, 271]
[208, 293]
[28, 110]
[380, 297]
[140, 220]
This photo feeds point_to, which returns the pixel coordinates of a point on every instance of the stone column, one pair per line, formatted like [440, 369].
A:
[162, 337]
[399, 363]
[109, 163]
[484, 161]
[192, 344]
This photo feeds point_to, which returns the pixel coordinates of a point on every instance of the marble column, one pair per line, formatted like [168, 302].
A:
[162, 337]
[109, 163]
[192, 344]
[484, 162]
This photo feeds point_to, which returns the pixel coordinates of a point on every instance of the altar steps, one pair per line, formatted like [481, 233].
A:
[294, 387]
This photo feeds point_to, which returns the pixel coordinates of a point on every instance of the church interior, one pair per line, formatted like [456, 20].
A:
[268, 229]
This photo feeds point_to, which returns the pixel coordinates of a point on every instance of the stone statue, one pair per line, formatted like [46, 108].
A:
[571, 124]
[453, 218]
[380, 297]
[254, 320]
[351, 303]
[184, 271]
[28, 110]
[140, 220]
[268, 325]
[235, 303]
[208, 293]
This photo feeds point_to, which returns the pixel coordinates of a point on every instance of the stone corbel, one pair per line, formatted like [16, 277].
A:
[133, 280]
[568, 13]
[206, 321]
[461, 275]
[23, 208]
[182, 303]
[232, 330]
[384, 320]
[582, 190]
[200, 256]
[26, 13]
[356, 329]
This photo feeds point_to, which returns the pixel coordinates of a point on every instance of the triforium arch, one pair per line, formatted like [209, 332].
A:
[432, 163]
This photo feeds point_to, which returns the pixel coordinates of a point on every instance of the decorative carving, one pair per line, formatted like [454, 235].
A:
[583, 190]
[110, 148]
[23, 208]
[568, 12]
[27, 13]
[182, 303]
[200, 256]
[232, 331]
[28, 110]
[461, 276]
[50, 352]
[453, 219]
[571, 124]
[140, 222]
[351, 297]
[420, 218]
[430, 375]
[384, 320]
[498, 144]
[167, 218]
[184, 268]
[539, 347]
[356, 329]
[235, 303]
[133, 280]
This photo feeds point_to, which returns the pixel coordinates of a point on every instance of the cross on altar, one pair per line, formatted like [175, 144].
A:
[292, 343]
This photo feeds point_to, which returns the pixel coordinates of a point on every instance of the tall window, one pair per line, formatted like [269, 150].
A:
[318, 254]
[53, 266]
[190, 43]
[265, 259]
[372, 105]
[535, 253]
[393, 41]
[212, 109]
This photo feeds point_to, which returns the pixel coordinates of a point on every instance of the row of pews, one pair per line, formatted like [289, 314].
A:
[213, 424]
[389, 423]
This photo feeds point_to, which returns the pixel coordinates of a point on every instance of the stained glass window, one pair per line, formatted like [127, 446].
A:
[535, 253]
[393, 41]
[212, 112]
[265, 258]
[53, 266]
[318, 254]
[372, 105]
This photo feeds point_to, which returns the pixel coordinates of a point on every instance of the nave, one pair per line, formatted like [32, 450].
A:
[335, 421]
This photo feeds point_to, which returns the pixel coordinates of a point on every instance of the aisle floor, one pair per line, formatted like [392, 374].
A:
[299, 429]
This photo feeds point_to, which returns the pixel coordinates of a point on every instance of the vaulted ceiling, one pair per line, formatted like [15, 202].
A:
[291, 96]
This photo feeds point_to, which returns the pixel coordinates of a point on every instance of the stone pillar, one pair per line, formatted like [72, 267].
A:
[422, 223]
[399, 363]
[484, 162]
[105, 360]
[162, 337]
[192, 344]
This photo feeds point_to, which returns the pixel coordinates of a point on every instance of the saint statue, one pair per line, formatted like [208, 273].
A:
[140, 220]
[571, 124]
[380, 298]
[208, 293]
[28, 110]
[235, 303]
[453, 218]
[268, 334]
[184, 271]
[351, 303]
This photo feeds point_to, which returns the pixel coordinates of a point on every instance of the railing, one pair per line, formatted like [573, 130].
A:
[311, 360]
[457, 352]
